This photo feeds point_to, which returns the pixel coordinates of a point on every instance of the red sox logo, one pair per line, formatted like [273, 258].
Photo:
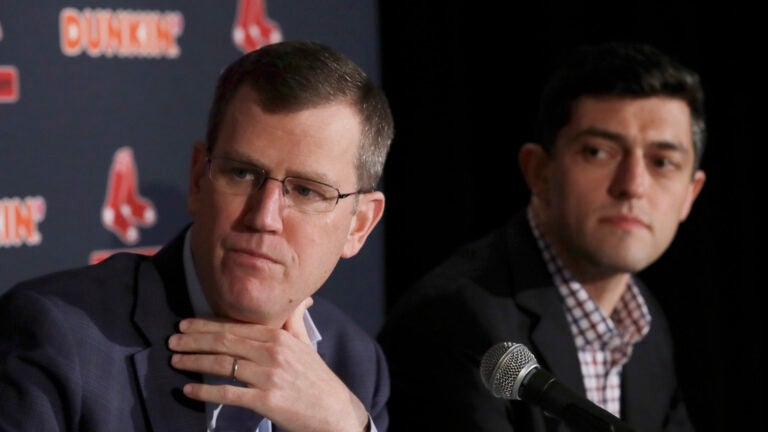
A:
[124, 210]
[253, 29]
[9, 80]
[9, 84]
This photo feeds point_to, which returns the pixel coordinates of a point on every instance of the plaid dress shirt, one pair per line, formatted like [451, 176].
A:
[604, 343]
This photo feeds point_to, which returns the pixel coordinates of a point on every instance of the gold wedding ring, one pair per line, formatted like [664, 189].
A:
[234, 369]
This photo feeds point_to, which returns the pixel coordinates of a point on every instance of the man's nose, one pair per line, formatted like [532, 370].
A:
[265, 206]
[631, 178]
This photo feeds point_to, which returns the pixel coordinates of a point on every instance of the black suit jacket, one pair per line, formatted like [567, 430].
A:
[499, 290]
[85, 350]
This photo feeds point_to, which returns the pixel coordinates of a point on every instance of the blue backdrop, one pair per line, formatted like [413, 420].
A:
[100, 103]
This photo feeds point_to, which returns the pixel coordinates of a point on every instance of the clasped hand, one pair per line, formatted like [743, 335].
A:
[285, 378]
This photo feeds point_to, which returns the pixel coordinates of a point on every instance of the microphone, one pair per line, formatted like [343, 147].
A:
[510, 371]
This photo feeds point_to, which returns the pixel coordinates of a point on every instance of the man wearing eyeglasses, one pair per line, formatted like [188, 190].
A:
[219, 330]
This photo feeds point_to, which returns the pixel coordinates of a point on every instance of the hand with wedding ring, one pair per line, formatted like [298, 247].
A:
[286, 379]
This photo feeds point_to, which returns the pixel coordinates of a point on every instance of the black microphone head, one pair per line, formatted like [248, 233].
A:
[504, 367]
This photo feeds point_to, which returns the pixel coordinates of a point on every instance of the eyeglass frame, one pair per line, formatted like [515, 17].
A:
[265, 176]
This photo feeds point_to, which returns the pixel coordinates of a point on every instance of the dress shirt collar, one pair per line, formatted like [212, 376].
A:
[629, 322]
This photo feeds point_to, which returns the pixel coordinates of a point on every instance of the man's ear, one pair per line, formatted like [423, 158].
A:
[370, 208]
[534, 164]
[197, 169]
[693, 191]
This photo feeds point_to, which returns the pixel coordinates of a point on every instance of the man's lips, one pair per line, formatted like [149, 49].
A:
[626, 221]
[253, 255]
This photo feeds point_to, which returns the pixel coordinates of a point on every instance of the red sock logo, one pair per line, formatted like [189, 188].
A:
[124, 210]
[253, 29]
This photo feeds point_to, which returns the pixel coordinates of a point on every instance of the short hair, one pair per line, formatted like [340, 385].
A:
[291, 76]
[623, 70]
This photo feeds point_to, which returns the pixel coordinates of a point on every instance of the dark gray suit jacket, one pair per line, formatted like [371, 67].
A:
[499, 290]
[85, 350]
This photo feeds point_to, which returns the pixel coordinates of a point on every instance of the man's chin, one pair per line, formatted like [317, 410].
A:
[246, 301]
[625, 262]
[250, 315]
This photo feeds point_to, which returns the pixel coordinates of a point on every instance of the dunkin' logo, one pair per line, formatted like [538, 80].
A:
[124, 210]
[121, 33]
[253, 29]
[19, 219]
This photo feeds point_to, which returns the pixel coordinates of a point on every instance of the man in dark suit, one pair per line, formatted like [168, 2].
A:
[219, 329]
[616, 171]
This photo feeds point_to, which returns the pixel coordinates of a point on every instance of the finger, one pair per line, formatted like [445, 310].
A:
[284, 346]
[207, 324]
[198, 342]
[219, 325]
[225, 394]
[215, 343]
[249, 373]
[212, 364]
[295, 322]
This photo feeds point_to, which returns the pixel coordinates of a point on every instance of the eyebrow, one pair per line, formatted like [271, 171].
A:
[620, 139]
[246, 160]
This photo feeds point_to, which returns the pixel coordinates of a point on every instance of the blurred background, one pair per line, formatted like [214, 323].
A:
[464, 80]
[101, 101]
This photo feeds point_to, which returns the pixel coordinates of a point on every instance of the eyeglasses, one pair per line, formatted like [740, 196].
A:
[241, 178]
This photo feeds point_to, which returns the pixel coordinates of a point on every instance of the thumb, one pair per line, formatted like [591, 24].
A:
[295, 322]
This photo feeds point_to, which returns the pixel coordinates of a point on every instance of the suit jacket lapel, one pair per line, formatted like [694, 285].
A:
[642, 379]
[161, 301]
[550, 333]
[553, 344]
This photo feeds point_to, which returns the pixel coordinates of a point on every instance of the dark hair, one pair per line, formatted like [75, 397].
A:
[619, 69]
[295, 75]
